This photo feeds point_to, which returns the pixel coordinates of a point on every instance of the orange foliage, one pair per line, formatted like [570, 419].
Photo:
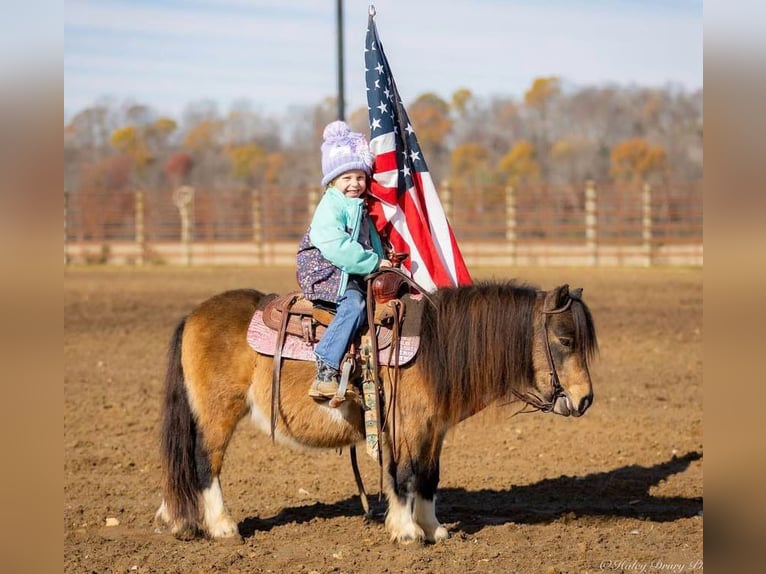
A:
[275, 163]
[520, 164]
[468, 159]
[636, 159]
[128, 140]
[429, 115]
[542, 90]
[202, 136]
[460, 99]
[243, 159]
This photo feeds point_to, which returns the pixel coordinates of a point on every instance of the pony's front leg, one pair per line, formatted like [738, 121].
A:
[399, 486]
[411, 493]
[426, 482]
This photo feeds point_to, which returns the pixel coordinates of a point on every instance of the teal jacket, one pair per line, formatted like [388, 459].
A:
[330, 250]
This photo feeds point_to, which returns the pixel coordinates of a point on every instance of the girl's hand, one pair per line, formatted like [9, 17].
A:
[384, 263]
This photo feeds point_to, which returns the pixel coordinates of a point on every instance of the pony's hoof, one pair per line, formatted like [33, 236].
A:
[185, 532]
[224, 529]
[439, 535]
[408, 536]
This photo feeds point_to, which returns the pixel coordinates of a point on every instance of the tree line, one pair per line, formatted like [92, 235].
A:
[555, 134]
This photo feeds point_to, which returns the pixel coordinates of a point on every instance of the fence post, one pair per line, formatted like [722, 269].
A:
[446, 199]
[255, 207]
[646, 228]
[510, 222]
[313, 199]
[66, 226]
[140, 226]
[183, 198]
[591, 222]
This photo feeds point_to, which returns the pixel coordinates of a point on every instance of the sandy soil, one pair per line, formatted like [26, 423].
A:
[619, 490]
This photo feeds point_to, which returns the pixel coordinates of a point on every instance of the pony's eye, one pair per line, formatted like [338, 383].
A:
[566, 341]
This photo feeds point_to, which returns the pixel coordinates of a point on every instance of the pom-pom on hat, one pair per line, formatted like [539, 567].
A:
[343, 150]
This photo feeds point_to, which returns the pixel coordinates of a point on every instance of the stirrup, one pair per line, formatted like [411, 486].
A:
[344, 390]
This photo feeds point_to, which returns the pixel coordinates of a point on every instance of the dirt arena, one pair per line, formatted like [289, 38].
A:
[619, 490]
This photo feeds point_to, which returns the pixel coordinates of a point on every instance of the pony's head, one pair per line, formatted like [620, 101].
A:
[504, 342]
[564, 344]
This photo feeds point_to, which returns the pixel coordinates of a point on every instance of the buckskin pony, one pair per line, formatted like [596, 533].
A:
[491, 342]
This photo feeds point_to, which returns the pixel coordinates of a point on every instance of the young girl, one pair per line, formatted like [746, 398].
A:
[340, 247]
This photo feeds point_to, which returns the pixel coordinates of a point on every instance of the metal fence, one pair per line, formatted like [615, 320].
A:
[588, 224]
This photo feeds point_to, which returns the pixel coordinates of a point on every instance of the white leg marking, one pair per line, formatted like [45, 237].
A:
[425, 516]
[217, 521]
[399, 523]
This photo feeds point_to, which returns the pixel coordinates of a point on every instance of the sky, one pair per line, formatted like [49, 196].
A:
[280, 54]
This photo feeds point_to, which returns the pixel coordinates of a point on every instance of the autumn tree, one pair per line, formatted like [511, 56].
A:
[470, 163]
[461, 100]
[539, 98]
[177, 168]
[144, 143]
[637, 160]
[430, 117]
[520, 164]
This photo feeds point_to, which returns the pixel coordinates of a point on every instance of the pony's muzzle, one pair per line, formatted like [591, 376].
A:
[565, 406]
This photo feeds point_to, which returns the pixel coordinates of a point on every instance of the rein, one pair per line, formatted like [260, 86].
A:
[388, 423]
[555, 382]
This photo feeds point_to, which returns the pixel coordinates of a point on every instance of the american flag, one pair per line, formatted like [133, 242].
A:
[407, 210]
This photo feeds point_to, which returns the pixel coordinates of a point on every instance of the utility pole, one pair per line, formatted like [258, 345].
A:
[341, 89]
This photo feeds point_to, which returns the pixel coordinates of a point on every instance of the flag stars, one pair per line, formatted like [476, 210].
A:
[409, 129]
[375, 124]
[387, 93]
[377, 84]
[382, 107]
[406, 171]
[379, 68]
[415, 155]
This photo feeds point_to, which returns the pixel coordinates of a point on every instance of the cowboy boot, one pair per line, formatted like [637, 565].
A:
[325, 383]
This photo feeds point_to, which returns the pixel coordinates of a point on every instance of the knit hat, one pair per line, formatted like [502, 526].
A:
[342, 151]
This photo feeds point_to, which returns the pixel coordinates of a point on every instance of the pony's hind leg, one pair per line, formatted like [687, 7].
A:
[208, 376]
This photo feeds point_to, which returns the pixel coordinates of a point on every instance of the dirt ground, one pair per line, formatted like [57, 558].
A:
[618, 490]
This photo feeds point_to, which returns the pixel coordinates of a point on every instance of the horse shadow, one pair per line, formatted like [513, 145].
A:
[621, 492]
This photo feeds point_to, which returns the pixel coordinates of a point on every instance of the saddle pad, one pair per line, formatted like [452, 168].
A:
[263, 340]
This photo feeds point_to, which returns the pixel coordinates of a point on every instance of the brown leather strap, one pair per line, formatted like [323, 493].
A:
[276, 371]
[394, 353]
[375, 369]
[358, 479]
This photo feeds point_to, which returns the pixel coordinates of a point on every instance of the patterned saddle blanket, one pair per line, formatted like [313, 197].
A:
[263, 338]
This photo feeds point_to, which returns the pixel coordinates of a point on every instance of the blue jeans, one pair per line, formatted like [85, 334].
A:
[349, 316]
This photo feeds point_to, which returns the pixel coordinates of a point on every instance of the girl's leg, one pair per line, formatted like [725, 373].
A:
[349, 317]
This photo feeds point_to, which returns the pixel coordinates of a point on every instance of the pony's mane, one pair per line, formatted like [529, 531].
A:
[476, 344]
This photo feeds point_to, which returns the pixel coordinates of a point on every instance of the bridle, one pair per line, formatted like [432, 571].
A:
[558, 390]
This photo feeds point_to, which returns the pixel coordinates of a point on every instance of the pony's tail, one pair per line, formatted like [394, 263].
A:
[178, 445]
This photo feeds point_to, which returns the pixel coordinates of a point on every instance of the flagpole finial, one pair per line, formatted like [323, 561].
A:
[372, 9]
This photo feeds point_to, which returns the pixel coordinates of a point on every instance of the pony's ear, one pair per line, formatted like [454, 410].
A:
[557, 298]
[576, 293]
